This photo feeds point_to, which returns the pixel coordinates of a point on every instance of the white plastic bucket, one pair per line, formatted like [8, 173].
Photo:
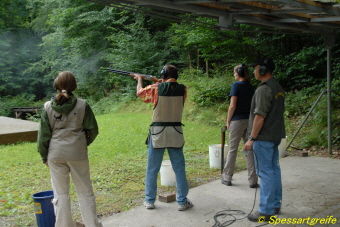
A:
[283, 147]
[215, 155]
[168, 177]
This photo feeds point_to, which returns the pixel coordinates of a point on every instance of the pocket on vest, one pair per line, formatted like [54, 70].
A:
[167, 136]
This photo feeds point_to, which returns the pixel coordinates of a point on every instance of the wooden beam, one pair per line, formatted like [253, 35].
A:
[29, 136]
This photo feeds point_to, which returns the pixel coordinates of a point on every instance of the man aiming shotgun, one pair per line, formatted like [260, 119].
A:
[165, 132]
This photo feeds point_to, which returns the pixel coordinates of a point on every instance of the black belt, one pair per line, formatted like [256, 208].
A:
[166, 124]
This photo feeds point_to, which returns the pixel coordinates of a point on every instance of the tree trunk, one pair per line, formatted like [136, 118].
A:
[207, 68]
[198, 59]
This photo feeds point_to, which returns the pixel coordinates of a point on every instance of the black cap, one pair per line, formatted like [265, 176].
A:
[268, 62]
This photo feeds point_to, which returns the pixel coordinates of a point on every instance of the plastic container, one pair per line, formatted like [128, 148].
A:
[168, 177]
[44, 210]
[215, 155]
[283, 147]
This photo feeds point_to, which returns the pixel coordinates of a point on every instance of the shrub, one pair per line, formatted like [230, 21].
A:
[8, 102]
[211, 91]
[298, 103]
[315, 131]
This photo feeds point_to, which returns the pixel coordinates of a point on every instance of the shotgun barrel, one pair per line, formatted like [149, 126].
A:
[224, 128]
[144, 76]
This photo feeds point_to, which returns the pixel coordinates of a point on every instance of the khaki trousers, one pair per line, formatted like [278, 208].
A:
[238, 130]
[60, 177]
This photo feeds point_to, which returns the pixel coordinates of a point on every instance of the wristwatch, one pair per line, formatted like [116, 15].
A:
[251, 138]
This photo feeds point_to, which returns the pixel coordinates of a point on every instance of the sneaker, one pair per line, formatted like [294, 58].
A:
[149, 206]
[258, 217]
[185, 206]
[228, 183]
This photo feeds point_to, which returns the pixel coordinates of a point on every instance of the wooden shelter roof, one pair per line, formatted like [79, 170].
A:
[282, 16]
[275, 16]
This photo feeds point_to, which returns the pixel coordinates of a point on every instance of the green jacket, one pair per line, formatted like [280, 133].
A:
[45, 131]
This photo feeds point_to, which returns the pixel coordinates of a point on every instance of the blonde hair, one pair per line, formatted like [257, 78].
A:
[246, 75]
[65, 83]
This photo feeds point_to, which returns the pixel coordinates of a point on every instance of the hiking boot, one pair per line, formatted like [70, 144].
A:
[258, 217]
[149, 206]
[79, 224]
[254, 185]
[228, 183]
[185, 206]
[277, 210]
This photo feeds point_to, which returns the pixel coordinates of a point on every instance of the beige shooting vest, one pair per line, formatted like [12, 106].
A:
[166, 128]
[68, 142]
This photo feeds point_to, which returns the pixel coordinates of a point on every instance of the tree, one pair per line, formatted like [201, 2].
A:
[74, 38]
[17, 49]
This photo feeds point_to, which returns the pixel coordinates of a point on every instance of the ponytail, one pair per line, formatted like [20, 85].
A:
[65, 84]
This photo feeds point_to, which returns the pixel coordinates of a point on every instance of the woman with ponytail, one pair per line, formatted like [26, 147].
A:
[67, 127]
[237, 122]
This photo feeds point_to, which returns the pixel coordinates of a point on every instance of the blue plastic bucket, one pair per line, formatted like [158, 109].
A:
[44, 210]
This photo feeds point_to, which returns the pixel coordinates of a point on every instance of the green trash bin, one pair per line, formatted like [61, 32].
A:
[44, 210]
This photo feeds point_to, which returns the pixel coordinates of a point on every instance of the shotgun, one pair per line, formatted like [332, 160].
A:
[224, 128]
[144, 76]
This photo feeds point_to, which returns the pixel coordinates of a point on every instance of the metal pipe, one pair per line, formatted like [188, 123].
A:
[304, 121]
[329, 100]
[329, 44]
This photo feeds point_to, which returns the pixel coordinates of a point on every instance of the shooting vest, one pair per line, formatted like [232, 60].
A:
[68, 141]
[166, 128]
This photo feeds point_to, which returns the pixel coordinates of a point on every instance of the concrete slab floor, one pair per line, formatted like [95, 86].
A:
[310, 190]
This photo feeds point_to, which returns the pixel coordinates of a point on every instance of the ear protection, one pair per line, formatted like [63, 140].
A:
[164, 72]
[240, 71]
[263, 68]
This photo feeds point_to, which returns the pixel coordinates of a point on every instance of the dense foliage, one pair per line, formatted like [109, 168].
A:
[40, 38]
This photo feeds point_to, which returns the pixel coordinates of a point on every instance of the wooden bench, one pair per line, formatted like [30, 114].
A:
[21, 112]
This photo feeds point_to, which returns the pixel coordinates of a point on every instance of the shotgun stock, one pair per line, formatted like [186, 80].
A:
[144, 76]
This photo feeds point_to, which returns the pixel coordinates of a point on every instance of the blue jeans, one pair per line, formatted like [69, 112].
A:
[268, 169]
[155, 157]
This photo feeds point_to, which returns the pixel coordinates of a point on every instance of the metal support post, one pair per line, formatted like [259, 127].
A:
[329, 44]
[309, 113]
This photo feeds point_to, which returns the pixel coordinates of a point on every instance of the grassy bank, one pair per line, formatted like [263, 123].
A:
[117, 159]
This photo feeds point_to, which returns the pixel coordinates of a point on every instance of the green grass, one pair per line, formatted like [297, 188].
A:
[117, 160]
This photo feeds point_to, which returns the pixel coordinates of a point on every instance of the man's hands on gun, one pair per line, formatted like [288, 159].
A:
[136, 76]
[139, 77]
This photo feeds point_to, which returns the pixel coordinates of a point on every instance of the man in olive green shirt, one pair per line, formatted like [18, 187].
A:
[266, 129]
